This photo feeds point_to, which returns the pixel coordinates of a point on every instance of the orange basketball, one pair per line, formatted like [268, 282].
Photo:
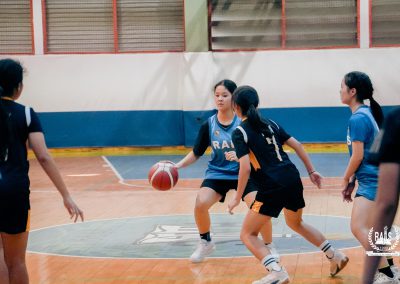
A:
[163, 175]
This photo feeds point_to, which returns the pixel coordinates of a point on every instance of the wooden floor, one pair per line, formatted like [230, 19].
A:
[103, 197]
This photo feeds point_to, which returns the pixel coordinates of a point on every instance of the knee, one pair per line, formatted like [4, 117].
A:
[15, 265]
[295, 225]
[357, 231]
[201, 205]
[244, 236]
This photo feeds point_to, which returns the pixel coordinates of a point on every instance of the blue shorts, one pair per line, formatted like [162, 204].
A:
[367, 190]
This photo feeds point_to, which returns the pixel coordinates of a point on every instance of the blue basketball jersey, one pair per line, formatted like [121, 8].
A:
[363, 127]
[221, 142]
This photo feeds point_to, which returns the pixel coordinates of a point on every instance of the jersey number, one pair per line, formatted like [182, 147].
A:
[273, 141]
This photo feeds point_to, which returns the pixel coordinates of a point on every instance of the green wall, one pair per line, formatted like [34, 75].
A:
[196, 25]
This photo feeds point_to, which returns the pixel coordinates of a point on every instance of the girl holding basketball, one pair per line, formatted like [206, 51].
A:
[222, 172]
[265, 167]
[362, 128]
[18, 126]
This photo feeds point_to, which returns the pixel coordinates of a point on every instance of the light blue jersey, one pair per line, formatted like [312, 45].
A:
[362, 127]
[221, 142]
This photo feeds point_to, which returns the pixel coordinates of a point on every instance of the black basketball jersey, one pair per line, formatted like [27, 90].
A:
[269, 162]
[386, 147]
[14, 170]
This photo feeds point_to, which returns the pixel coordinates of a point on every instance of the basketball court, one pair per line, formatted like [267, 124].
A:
[119, 85]
[135, 234]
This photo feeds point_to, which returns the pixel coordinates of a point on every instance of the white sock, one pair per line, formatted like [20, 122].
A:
[327, 248]
[270, 263]
[270, 245]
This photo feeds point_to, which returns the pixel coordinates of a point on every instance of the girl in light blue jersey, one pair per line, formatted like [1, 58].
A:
[222, 171]
[363, 126]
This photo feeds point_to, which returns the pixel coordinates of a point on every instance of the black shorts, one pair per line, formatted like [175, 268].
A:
[222, 186]
[271, 200]
[14, 214]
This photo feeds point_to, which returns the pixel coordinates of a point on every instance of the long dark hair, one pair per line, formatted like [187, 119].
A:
[364, 91]
[11, 74]
[228, 84]
[246, 98]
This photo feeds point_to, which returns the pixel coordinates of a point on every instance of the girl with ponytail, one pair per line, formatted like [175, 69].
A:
[19, 126]
[363, 126]
[266, 169]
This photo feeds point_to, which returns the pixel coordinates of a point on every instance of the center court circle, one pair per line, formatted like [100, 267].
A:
[175, 236]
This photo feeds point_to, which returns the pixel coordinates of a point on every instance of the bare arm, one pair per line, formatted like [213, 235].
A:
[244, 174]
[315, 177]
[38, 145]
[348, 183]
[187, 160]
[385, 210]
[355, 160]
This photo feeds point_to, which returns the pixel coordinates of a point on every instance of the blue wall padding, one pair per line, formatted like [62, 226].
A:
[173, 128]
[113, 128]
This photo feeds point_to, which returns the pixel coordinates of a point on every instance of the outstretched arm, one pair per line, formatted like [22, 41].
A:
[244, 174]
[200, 146]
[38, 145]
[315, 177]
[187, 160]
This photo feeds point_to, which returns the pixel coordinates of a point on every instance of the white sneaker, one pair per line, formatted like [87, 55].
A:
[338, 262]
[396, 272]
[275, 277]
[381, 278]
[274, 252]
[203, 249]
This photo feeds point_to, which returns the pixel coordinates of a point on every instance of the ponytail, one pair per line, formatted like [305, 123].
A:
[255, 120]
[363, 85]
[377, 112]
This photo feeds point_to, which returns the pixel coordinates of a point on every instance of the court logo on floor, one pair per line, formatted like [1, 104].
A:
[175, 236]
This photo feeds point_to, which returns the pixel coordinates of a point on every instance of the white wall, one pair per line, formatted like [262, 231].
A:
[176, 81]
[184, 81]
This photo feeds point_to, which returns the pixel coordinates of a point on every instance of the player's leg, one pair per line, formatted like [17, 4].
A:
[3, 267]
[360, 226]
[266, 230]
[249, 235]
[295, 221]
[206, 197]
[14, 256]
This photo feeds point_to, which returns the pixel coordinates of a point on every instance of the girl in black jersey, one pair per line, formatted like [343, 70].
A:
[18, 126]
[265, 167]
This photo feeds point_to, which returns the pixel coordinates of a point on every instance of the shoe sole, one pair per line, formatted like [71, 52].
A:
[342, 265]
[284, 281]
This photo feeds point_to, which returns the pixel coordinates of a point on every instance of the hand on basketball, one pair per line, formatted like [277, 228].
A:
[232, 204]
[316, 178]
[348, 188]
[231, 156]
[73, 209]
